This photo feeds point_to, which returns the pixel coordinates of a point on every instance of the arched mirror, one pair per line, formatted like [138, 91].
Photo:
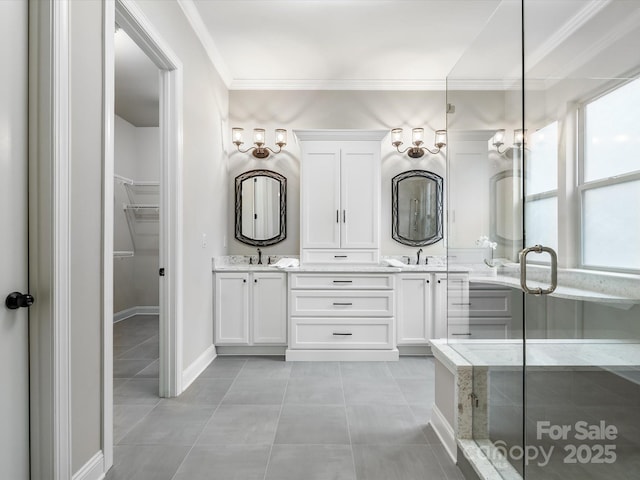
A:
[416, 203]
[261, 208]
[505, 214]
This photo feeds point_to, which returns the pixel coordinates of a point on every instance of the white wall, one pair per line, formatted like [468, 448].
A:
[358, 110]
[135, 279]
[205, 172]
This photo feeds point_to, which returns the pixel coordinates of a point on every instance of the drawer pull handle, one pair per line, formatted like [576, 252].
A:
[461, 334]
[339, 256]
[469, 303]
[345, 304]
[343, 281]
[340, 334]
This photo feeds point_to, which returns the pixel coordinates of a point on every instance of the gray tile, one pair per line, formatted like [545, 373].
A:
[266, 367]
[128, 368]
[203, 391]
[367, 391]
[450, 469]
[255, 391]
[315, 369]
[314, 424]
[422, 413]
[364, 370]
[224, 367]
[314, 390]
[149, 349]
[118, 382]
[170, 425]
[412, 367]
[225, 462]
[311, 462]
[383, 424]
[241, 424]
[137, 391]
[125, 417]
[152, 371]
[146, 462]
[396, 462]
[417, 391]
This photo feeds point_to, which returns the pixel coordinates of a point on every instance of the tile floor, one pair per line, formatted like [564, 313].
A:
[261, 418]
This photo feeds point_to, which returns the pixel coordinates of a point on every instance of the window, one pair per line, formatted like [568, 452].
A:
[609, 180]
[541, 188]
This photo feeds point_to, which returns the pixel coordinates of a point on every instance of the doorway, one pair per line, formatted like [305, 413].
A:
[168, 212]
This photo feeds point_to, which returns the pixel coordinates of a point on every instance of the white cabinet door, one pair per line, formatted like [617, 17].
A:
[414, 309]
[320, 195]
[269, 302]
[440, 306]
[232, 308]
[360, 194]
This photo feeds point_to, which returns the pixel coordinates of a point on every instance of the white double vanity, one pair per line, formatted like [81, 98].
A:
[343, 302]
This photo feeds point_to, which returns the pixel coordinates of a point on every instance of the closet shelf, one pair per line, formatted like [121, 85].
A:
[122, 254]
[142, 212]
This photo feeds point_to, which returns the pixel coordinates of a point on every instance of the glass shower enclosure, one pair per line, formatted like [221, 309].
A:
[543, 212]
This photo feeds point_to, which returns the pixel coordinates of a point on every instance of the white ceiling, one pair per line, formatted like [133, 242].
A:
[385, 44]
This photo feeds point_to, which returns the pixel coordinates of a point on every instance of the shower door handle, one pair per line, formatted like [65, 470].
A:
[523, 270]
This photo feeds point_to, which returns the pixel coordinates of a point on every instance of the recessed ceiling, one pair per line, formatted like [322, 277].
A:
[137, 83]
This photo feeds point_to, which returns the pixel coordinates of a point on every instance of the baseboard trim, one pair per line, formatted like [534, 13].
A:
[92, 470]
[268, 350]
[445, 432]
[342, 355]
[133, 311]
[197, 367]
[420, 350]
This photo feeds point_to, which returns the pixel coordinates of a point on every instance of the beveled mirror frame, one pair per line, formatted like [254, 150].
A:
[394, 208]
[283, 208]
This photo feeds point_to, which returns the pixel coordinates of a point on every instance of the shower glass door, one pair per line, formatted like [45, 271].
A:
[543, 197]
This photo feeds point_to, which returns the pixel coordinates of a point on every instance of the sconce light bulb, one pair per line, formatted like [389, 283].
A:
[417, 136]
[396, 137]
[498, 138]
[236, 135]
[441, 138]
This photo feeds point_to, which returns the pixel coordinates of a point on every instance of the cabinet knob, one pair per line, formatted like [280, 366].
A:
[244, 280]
[255, 280]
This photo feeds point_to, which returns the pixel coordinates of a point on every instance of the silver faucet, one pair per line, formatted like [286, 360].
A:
[408, 259]
[418, 257]
[259, 257]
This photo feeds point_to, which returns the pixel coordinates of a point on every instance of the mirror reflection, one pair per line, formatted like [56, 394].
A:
[505, 218]
[417, 208]
[260, 207]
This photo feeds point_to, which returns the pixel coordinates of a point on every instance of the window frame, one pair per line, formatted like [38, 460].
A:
[582, 186]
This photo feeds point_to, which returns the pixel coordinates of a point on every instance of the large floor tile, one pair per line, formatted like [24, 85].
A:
[241, 424]
[417, 391]
[383, 424]
[146, 462]
[170, 425]
[368, 391]
[396, 462]
[137, 391]
[311, 462]
[225, 462]
[255, 391]
[125, 417]
[364, 370]
[314, 391]
[147, 350]
[125, 368]
[313, 424]
[315, 369]
[152, 371]
[266, 367]
[203, 391]
[412, 367]
[224, 367]
[450, 469]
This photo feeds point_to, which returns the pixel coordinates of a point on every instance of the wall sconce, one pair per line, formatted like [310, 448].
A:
[519, 139]
[259, 151]
[417, 138]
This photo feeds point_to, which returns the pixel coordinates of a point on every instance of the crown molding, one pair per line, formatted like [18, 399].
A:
[195, 20]
[336, 84]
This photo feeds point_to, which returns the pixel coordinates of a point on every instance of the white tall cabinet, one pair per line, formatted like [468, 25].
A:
[340, 196]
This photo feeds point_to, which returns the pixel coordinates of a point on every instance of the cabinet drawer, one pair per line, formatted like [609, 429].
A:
[489, 303]
[340, 281]
[341, 333]
[342, 304]
[340, 256]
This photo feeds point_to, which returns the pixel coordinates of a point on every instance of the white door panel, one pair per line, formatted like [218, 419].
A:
[14, 346]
